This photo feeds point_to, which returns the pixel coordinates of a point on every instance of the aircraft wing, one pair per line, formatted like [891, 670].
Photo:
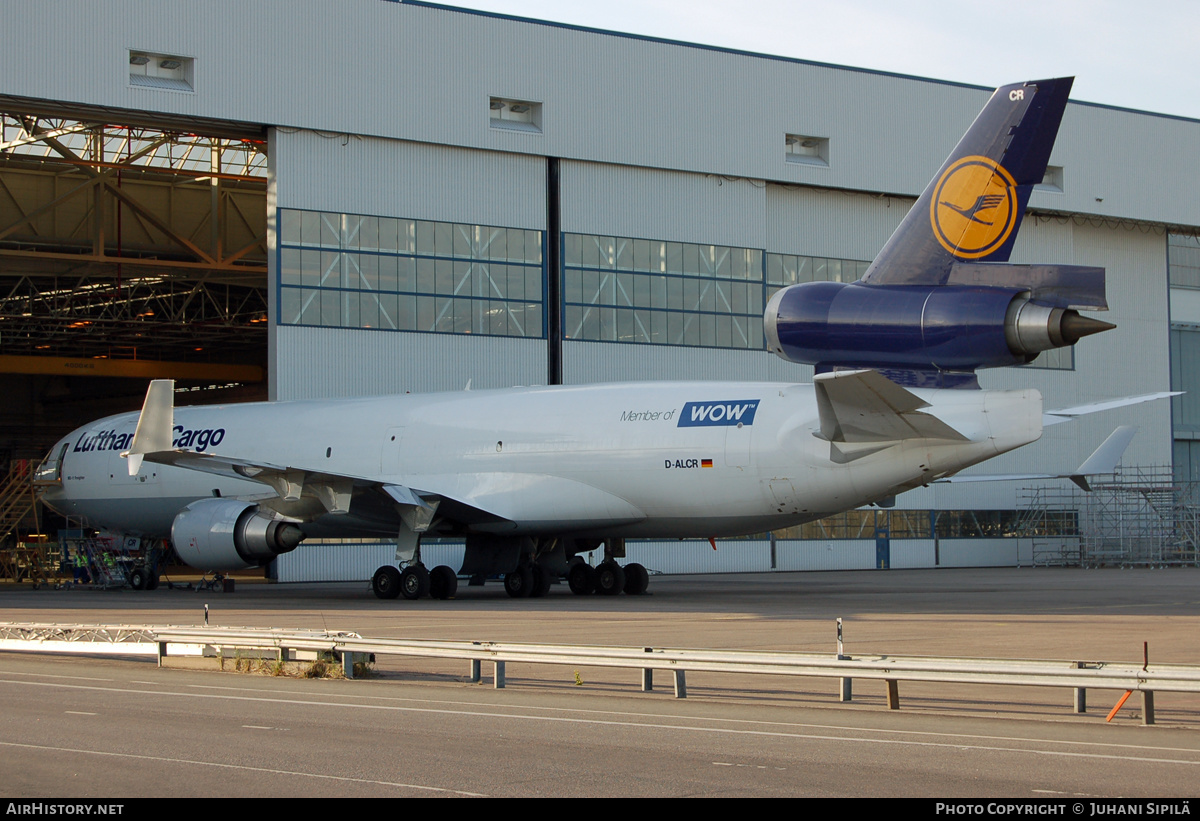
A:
[492, 498]
[152, 443]
[1103, 460]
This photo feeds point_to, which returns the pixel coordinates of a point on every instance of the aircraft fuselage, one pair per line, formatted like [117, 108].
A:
[663, 460]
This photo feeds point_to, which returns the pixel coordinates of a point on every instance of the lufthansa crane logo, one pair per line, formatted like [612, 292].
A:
[974, 207]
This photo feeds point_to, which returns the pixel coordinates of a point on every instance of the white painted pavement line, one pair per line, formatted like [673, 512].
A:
[267, 770]
[682, 728]
[717, 720]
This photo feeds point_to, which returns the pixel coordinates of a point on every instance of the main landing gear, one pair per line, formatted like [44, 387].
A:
[608, 579]
[529, 566]
[415, 582]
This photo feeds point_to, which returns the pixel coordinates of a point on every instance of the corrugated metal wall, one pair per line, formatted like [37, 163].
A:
[587, 362]
[397, 178]
[625, 201]
[358, 562]
[415, 181]
[425, 74]
[334, 362]
[657, 140]
[354, 561]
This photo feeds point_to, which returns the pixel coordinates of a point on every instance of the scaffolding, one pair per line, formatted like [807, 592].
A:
[1137, 517]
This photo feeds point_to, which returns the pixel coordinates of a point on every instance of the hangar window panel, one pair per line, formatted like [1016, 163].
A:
[1183, 260]
[356, 271]
[1185, 376]
[680, 293]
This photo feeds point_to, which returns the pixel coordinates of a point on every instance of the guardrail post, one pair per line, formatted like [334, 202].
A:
[1081, 699]
[162, 652]
[1147, 707]
[680, 684]
[647, 679]
[498, 674]
[893, 694]
[348, 664]
[475, 675]
[846, 686]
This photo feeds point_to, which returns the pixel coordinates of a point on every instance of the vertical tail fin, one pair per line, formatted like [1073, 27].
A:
[973, 207]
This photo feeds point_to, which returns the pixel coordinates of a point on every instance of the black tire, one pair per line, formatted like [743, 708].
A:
[637, 579]
[610, 579]
[581, 579]
[519, 583]
[386, 582]
[138, 578]
[541, 581]
[414, 582]
[443, 582]
[152, 581]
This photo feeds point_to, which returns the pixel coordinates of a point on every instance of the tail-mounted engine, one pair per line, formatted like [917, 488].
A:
[225, 534]
[937, 330]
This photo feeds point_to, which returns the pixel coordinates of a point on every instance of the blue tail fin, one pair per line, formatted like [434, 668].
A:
[973, 208]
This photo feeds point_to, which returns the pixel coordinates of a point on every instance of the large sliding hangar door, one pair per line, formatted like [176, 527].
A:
[131, 247]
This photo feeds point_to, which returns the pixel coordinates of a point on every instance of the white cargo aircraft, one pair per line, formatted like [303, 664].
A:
[532, 476]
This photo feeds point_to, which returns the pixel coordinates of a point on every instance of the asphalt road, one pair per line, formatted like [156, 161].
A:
[103, 727]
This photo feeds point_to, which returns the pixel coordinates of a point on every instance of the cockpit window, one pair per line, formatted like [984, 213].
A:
[50, 470]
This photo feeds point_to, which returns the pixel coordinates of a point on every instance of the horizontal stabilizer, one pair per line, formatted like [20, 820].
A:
[1062, 286]
[865, 406]
[1054, 417]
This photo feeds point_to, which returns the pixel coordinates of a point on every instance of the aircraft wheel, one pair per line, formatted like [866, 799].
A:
[519, 583]
[581, 579]
[414, 582]
[386, 582]
[637, 579]
[541, 582]
[610, 578]
[152, 581]
[443, 582]
[137, 578]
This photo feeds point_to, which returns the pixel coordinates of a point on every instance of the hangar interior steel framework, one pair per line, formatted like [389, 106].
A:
[127, 249]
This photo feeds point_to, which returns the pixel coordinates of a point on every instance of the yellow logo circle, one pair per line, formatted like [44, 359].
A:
[974, 207]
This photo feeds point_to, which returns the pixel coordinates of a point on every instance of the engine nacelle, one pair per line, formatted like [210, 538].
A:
[225, 534]
[943, 328]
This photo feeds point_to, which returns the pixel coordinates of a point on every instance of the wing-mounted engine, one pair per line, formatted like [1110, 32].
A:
[227, 534]
[941, 298]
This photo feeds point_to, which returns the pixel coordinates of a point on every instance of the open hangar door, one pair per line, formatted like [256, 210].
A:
[131, 247]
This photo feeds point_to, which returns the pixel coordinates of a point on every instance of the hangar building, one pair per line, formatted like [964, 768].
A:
[371, 196]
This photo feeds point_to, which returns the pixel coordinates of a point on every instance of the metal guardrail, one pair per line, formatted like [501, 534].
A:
[350, 647]
[90, 639]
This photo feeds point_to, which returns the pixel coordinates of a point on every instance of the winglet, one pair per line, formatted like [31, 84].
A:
[1104, 459]
[154, 425]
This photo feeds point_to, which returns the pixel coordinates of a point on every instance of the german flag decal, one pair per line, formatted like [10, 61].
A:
[706, 463]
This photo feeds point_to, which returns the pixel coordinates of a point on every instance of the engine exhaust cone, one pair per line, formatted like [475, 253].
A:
[1075, 327]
